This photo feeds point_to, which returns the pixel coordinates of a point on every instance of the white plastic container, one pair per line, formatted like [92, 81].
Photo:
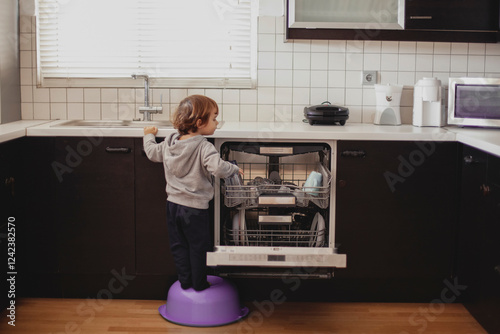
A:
[428, 107]
[388, 99]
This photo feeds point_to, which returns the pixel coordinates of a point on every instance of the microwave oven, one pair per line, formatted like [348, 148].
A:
[474, 102]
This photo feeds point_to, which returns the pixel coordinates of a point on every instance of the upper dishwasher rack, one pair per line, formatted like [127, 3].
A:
[277, 174]
[289, 184]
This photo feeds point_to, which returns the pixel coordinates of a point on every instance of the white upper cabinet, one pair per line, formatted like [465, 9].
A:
[346, 14]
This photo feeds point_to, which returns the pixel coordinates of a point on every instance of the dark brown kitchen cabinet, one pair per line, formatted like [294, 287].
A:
[425, 20]
[395, 217]
[4, 300]
[90, 212]
[153, 252]
[464, 15]
[8, 165]
[151, 226]
[478, 259]
[94, 199]
[7, 181]
[36, 229]
[154, 262]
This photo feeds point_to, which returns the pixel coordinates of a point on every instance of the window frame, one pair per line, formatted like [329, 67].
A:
[158, 82]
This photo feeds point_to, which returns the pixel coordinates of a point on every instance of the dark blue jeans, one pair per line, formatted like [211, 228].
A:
[189, 236]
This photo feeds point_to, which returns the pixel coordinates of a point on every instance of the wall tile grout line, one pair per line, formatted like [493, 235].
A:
[297, 77]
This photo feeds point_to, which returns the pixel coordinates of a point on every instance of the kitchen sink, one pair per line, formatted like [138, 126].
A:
[115, 123]
[118, 124]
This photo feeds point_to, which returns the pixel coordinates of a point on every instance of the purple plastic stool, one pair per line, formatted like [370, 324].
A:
[216, 306]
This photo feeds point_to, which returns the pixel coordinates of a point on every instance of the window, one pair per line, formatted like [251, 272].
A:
[188, 43]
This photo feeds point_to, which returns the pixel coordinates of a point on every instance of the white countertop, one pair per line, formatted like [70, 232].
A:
[266, 130]
[17, 129]
[481, 138]
[350, 131]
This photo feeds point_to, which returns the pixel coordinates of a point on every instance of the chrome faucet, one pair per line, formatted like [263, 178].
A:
[147, 110]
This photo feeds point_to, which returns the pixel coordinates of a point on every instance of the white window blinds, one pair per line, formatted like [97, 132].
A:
[188, 43]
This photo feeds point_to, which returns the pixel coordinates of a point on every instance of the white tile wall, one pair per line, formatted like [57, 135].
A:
[290, 76]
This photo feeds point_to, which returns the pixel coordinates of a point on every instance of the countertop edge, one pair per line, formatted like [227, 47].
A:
[484, 139]
[262, 131]
[18, 129]
[479, 144]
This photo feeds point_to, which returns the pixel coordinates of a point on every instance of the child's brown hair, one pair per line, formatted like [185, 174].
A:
[192, 109]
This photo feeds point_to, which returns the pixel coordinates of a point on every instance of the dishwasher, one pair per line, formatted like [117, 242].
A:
[280, 213]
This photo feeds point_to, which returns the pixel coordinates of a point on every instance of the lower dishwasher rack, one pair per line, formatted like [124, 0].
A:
[259, 227]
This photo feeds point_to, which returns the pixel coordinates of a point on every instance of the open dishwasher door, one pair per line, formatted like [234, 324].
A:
[281, 213]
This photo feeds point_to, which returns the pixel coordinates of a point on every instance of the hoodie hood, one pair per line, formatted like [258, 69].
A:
[182, 153]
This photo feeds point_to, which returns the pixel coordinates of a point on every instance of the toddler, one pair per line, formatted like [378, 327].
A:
[190, 163]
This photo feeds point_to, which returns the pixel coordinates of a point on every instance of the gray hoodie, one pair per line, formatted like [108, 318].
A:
[189, 165]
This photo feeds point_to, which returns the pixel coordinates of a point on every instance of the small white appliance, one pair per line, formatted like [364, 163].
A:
[428, 106]
[388, 99]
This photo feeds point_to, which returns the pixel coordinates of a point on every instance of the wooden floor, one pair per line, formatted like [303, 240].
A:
[57, 316]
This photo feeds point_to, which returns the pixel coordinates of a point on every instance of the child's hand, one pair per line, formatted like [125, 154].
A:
[150, 129]
[241, 172]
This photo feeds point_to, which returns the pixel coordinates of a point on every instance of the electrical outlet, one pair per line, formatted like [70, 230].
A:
[369, 78]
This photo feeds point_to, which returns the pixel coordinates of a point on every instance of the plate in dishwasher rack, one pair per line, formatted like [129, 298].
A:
[239, 228]
[320, 231]
[243, 228]
[317, 231]
[236, 228]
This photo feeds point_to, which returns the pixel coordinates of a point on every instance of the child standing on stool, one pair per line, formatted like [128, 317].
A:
[190, 163]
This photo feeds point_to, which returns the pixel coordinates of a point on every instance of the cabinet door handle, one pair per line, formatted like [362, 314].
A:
[497, 269]
[124, 150]
[353, 153]
[10, 182]
[485, 190]
[421, 17]
[470, 160]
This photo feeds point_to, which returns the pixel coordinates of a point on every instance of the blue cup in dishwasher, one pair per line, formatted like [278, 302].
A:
[314, 180]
